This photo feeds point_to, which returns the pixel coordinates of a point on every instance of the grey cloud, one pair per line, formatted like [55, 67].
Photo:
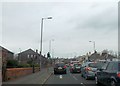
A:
[93, 19]
[72, 26]
[101, 21]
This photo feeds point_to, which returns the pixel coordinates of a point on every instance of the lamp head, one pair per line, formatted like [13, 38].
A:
[90, 41]
[49, 18]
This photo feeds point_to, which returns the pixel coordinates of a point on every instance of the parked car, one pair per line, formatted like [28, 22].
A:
[76, 68]
[60, 68]
[88, 70]
[109, 74]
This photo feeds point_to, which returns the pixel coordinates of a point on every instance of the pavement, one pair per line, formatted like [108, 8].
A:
[36, 78]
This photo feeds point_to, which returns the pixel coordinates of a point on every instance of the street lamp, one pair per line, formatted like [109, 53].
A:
[50, 47]
[41, 37]
[93, 45]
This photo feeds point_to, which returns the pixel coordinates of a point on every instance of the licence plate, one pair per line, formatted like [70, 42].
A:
[59, 67]
[77, 67]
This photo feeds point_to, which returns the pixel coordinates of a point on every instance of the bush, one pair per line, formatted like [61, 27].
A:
[12, 63]
[24, 65]
[37, 65]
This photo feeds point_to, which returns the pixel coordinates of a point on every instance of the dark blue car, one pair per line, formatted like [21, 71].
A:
[109, 74]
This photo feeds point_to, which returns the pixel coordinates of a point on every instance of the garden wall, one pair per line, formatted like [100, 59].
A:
[13, 73]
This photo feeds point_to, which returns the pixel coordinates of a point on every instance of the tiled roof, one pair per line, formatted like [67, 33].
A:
[96, 56]
[29, 51]
[2, 48]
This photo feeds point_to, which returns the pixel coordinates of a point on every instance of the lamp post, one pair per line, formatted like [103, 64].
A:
[41, 37]
[50, 45]
[51, 48]
[93, 45]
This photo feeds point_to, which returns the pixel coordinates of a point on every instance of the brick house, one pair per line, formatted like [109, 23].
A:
[29, 55]
[5, 55]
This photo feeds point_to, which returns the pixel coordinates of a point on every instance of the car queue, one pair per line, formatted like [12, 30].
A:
[103, 72]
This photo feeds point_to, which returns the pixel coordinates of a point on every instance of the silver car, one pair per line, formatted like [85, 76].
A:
[88, 70]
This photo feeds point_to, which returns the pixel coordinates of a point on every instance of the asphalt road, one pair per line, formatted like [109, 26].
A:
[69, 78]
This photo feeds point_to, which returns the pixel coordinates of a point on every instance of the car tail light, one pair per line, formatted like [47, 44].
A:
[64, 66]
[87, 68]
[79, 64]
[118, 74]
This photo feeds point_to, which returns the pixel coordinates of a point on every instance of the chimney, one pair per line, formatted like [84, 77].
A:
[36, 51]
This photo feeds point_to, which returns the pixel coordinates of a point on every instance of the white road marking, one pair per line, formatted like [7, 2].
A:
[82, 84]
[75, 78]
[61, 76]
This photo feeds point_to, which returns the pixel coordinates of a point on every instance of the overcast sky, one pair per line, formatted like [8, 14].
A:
[74, 24]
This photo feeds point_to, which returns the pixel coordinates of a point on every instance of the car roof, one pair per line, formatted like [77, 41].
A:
[115, 61]
[60, 63]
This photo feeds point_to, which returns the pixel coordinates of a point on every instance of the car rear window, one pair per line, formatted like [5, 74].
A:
[100, 64]
[60, 65]
[92, 65]
[76, 65]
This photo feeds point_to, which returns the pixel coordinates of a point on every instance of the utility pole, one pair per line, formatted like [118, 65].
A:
[41, 38]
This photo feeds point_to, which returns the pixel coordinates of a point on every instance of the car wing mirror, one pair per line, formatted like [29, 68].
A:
[101, 69]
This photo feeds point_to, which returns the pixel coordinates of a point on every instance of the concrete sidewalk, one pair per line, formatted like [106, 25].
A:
[36, 78]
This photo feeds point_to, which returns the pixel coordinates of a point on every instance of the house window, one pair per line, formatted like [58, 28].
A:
[31, 55]
[28, 56]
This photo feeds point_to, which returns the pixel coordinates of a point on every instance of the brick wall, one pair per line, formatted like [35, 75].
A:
[13, 73]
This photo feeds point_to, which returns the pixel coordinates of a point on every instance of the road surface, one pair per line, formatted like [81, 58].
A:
[69, 78]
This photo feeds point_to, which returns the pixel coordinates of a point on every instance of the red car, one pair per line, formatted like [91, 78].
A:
[75, 68]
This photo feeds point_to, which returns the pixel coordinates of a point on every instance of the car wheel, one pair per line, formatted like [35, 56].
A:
[65, 72]
[112, 83]
[81, 75]
[54, 72]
